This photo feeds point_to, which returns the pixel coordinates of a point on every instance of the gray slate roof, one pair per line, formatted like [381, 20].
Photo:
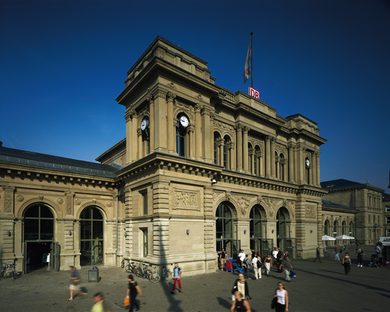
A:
[45, 161]
[342, 184]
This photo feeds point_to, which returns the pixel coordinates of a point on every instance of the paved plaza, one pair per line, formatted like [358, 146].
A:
[318, 287]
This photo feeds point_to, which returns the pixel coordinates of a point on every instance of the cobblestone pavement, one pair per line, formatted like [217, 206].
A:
[318, 287]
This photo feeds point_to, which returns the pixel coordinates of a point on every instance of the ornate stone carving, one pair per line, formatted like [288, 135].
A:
[243, 203]
[8, 199]
[186, 199]
[60, 201]
[109, 204]
[310, 212]
[77, 201]
[224, 128]
[19, 198]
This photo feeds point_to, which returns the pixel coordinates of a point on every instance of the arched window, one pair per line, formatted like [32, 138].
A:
[217, 143]
[257, 230]
[335, 228]
[145, 135]
[307, 170]
[224, 229]
[327, 228]
[281, 167]
[38, 223]
[182, 124]
[250, 158]
[276, 165]
[351, 231]
[344, 228]
[282, 228]
[227, 147]
[257, 160]
[91, 236]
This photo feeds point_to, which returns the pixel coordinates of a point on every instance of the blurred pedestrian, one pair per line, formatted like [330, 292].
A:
[318, 255]
[281, 295]
[287, 266]
[240, 304]
[133, 291]
[74, 285]
[267, 264]
[98, 306]
[360, 258]
[256, 265]
[176, 276]
[346, 263]
[241, 285]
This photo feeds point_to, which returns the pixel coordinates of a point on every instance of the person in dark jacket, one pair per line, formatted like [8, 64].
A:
[241, 285]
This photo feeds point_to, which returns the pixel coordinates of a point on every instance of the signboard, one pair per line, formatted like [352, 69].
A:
[254, 93]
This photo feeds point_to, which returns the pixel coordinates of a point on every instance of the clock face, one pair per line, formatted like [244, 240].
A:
[184, 121]
[144, 123]
[307, 162]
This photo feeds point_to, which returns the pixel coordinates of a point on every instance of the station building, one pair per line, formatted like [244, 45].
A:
[201, 168]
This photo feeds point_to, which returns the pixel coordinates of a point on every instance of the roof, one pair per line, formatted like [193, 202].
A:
[342, 185]
[329, 205]
[45, 161]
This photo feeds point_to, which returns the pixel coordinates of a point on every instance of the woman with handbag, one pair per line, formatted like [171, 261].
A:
[280, 299]
[240, 285]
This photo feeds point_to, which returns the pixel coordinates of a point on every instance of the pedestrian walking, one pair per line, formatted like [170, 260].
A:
[241, 285]
[99, 303]
[74, 285]
[287, 266]
[267, 264]
[257, 265]
[318, 255]
[133, 291]
[360, 258]
[240, 304]
[346, 263]
[280, 300]
[176, 276]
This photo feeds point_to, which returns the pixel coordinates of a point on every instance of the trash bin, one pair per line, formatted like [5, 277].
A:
[93, 275]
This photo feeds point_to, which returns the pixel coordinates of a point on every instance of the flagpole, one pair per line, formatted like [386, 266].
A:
[251, 60]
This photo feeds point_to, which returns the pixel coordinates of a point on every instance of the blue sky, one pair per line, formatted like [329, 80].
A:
[63, 63]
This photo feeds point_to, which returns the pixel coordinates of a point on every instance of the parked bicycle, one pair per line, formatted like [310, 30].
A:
[9, 270]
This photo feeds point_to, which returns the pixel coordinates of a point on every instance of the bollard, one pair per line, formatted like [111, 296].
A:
[93, 274]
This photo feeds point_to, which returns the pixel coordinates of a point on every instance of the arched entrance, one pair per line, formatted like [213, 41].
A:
[91, 236]
[224, 226]
[38, 229]
[258, 236]
[284, 241]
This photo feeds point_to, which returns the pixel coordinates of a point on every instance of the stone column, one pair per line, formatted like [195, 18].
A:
[139, 140]
[129, 129]
[300, 162]
[198, 133]
[160, 117]
[171, 130]
[273, 168]
[134, 137]
[239, 147]
[290, 163]
[207, 131]
[268, 156]
[191, 137]
[245, 148]
[317, 157]
[151, 124]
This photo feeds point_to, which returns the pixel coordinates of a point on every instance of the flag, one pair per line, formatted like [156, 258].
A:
[248, 62]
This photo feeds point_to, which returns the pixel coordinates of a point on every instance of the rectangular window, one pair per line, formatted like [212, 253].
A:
[388, 220]
[144, 202]
[387, 209]
[145, 242]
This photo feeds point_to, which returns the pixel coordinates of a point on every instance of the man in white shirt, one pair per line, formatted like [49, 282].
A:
[241, 257]
[256, 269]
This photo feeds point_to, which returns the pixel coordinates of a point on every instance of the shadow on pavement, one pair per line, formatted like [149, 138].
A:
[174, 304]
[387, 291]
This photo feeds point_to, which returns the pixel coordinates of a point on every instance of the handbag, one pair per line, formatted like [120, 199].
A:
[126, 302]
[273, 302]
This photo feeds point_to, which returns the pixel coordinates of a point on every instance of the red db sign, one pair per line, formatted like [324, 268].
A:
[254, 93]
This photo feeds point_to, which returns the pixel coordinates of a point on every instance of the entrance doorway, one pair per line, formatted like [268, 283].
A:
[91, 236]
[38, 236]
[224, 230]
